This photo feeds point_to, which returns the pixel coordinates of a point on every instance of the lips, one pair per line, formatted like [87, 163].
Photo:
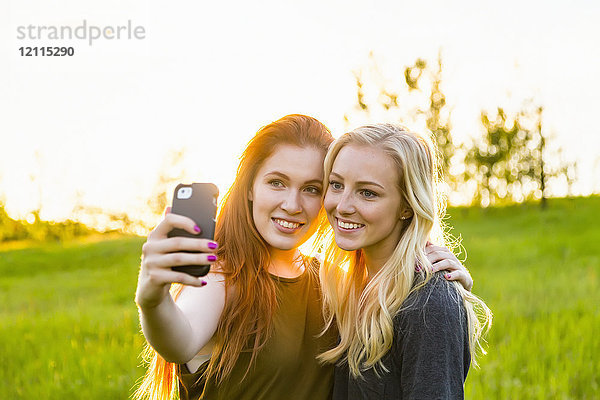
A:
[287, 225]
[348, 226]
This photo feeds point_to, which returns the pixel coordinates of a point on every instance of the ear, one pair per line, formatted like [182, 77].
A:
[407, 213]
[250, 196]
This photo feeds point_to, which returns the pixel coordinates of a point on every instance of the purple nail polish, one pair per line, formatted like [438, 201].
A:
[448, 276]
[212, 245]
[212, 258]
[197, 228]
[203, 283]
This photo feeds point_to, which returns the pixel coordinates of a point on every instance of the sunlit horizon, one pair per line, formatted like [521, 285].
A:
[94, 129]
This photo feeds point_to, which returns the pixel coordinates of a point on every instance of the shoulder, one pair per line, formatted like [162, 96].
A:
[438, 302]
[431, 349]
[312, 265]
[436, 293]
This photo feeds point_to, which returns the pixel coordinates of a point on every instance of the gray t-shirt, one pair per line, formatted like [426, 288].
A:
[430, 356]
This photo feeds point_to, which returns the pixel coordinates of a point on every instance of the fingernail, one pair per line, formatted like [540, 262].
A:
[197, 228]
[448, 276]
[203, 283]
[212, 245]
[212, 258]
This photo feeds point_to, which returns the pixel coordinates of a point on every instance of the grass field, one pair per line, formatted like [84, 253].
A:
[69, 328]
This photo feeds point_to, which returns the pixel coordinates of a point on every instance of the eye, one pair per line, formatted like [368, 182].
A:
[368, 194]
[313, 190]
[276, 183]
[336, 185]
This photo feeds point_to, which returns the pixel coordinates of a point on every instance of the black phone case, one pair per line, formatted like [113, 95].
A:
[202, 208]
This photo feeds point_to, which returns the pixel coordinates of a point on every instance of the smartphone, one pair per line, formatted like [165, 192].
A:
[197, 201]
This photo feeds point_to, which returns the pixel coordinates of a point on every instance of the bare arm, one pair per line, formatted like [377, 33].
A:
[177, 330]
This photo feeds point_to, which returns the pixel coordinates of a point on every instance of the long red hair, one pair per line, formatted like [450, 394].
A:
[244, 257]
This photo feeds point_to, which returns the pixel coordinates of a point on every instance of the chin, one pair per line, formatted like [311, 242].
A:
[347, 246]
[283, 243]
[286, 247]
[280, 245]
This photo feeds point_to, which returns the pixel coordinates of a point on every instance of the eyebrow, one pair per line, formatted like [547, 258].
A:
[284, 176]
[358, 183]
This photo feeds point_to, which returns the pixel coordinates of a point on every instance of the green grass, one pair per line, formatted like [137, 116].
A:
[69, 328]
[68, 323]
[538, 272]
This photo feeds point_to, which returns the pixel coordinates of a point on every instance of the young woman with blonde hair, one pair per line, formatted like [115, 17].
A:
[405, 332]
[250, 329]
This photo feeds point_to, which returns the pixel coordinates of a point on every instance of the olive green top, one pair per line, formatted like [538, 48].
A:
[286, 367]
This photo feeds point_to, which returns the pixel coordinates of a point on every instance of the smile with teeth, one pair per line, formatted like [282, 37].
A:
[287, 224]
[349, 225]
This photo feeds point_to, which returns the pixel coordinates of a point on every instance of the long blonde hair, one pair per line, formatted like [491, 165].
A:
[246, 321]
[363, 309]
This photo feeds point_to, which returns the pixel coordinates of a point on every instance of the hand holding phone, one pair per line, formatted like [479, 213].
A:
[197, 201]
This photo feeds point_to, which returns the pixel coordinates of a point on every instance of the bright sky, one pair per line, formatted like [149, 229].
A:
[206, 77]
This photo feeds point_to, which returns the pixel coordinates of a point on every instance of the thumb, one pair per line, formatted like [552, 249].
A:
[167, 210]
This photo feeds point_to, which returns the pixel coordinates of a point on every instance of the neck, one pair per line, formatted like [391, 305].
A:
[374, 263]
[286, 263]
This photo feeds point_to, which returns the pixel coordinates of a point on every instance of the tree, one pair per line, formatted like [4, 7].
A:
[546, 172]
[498, 161]
[509, 162]
[437, 114]
[415, 96]
[10, 229]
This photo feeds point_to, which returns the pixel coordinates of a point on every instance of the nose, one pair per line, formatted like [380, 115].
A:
[291, 202]
[345, 205]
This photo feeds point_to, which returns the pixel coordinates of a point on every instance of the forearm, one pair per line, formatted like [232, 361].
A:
[168, 331]
[177, 330]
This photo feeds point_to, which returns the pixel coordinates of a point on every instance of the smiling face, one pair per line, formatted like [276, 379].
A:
[363, 202]
[286, 196]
